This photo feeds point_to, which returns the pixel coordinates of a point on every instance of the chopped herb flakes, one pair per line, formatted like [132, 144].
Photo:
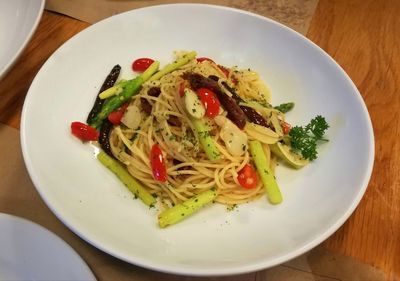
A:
[231, 207]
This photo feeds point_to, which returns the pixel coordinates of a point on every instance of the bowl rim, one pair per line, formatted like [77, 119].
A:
[12, 60]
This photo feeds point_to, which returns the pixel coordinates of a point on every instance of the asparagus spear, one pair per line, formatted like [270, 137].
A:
[114, 90]
[173, 66]
[206, 140]
[133, 185]
[271, 187]
[185, 209]
[285, 107]
[131, 88]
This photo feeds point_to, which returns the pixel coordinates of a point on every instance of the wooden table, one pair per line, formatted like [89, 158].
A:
[363, 37]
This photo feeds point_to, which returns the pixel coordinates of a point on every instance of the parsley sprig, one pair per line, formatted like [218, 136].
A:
[305, 139]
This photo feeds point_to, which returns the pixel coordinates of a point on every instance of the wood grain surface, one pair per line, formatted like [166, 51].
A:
[363, 37]
[53, 30]
[293, 13]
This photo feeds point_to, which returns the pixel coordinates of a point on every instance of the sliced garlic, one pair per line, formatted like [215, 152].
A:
[275, 122]
[193, 104]
[132, 117]
[234, 138]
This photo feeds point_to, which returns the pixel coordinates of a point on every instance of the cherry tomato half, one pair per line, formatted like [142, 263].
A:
[210, 101]
[158, 164]
[141, 64]
[247, 177]
[84, 132]
[204, 59]
[116, 116]
[285, 127]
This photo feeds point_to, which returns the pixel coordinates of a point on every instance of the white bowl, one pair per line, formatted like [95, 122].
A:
[18, 22]
[95, 205]
[31, 252]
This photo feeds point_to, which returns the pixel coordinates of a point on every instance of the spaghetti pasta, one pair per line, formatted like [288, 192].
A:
[189, 170]
[195, 132]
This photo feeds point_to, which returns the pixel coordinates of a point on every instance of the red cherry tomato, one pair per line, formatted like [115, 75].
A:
[84, 132]
[141, 64]
[158, 164]
[210, 101]
[285, 127]
[204, 59]
[116, 116]
[247, 177]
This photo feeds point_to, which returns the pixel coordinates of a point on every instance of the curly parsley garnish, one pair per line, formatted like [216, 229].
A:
[305, 139]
